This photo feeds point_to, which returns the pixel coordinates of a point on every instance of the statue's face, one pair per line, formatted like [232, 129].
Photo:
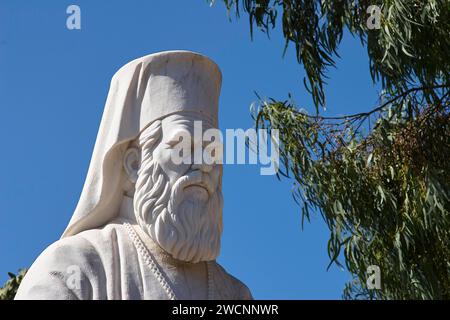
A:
[179, 205]
[206, 179]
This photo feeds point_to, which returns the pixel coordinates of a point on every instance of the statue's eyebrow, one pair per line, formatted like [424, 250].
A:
[174, 138]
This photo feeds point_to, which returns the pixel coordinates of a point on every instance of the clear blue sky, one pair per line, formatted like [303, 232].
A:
[53, 86]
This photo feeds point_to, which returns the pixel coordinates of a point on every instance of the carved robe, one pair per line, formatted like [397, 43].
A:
[105, 264]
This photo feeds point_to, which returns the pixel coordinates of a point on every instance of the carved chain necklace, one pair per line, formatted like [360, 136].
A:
[156, 270]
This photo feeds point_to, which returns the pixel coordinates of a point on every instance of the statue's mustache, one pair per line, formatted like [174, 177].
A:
[197, 177]
[194, 177]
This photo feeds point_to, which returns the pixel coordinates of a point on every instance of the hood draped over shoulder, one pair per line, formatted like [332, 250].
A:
[144, 90]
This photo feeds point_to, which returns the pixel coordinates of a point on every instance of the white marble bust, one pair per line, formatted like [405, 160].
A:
[145, 228]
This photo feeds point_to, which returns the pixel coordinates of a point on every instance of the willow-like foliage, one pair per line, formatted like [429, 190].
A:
[380, 178]
[9, 289]
[411, 46]
[384, 196]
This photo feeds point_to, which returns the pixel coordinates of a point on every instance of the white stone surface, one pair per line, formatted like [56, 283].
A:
[145, 228]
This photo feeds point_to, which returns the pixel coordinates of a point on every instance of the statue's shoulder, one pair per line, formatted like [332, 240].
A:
[229, 283]
[80, 257]
[86, 244]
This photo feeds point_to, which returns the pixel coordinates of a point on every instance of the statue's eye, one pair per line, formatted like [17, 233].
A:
[179, 137]
[173, 142]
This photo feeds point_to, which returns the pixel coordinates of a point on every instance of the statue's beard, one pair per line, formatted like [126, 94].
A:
[189, 228]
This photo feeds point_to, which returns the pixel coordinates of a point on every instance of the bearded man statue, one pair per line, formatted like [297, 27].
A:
[145, 227]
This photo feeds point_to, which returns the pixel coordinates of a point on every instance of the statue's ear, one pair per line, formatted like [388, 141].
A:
[131, 162]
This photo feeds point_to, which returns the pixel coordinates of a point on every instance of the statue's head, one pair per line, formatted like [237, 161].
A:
[153, 101]
[178, 204]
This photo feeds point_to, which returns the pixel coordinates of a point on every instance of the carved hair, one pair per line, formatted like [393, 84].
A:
[151, 191]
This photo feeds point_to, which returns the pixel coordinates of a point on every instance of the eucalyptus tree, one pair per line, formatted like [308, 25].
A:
[379, 178]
